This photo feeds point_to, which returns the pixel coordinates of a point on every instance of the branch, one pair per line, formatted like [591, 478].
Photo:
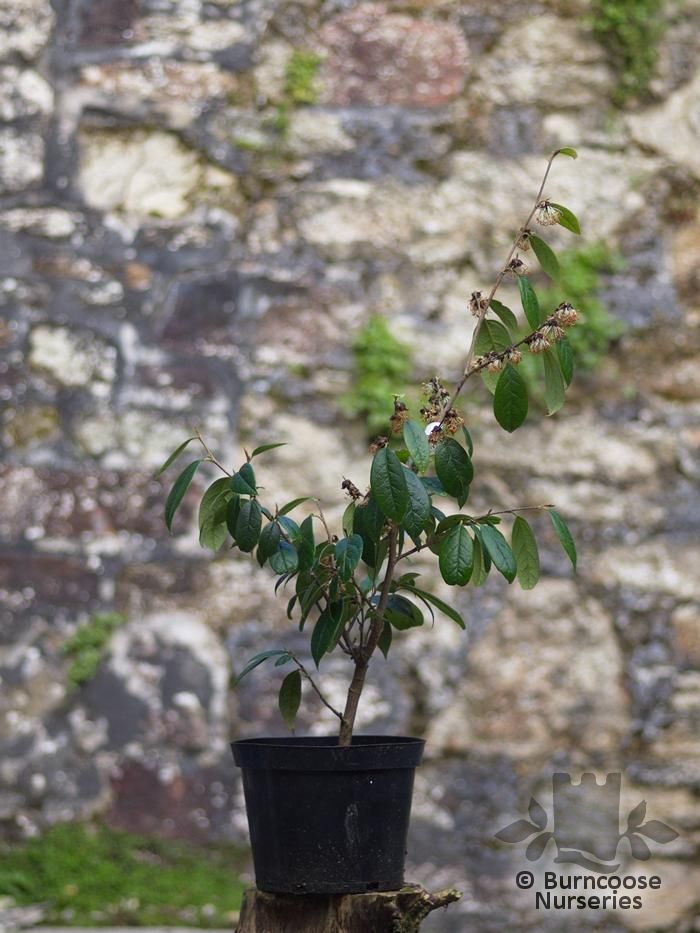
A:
[315, 687]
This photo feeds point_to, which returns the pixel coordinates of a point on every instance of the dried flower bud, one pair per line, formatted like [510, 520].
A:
[430, 413]
[546, 214]
[552, 332]
[477, 304]
[378, 443]
[496, 364]
[452, 421]
[478, 362]
[538, 344]
[514, 356]
[517, 266]
[434, 432]
[566, 315]
[435, 392]
[524, 239]
[351, 489]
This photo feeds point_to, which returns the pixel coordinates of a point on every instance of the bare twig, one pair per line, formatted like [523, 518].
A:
[314, 685]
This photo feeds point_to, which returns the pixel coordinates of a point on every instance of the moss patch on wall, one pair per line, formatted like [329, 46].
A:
[630, 31]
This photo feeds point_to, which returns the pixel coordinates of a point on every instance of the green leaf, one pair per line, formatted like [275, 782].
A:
[293, 504]
[348, 518]
[567, 218]
[306, 546]
[180, 487]
[417, 444]
[457, 557]
[492, 337]
[402, 613]
[289, 698]
[554, 385]
[566, 359]
[384, 642]
[564, 535]
[290, 528]
[531, 305]
[418, 511]
[248, 524]
[269, 542]
[348, 552]
[173, 456]
[526, 554]
[435, 601]
[499, 551]
[505, 314]
[232, 512]
[433, 486]
[326, 631]
[388, 481]
[545, 254]
[263, 448]
[243, 482]
[480, 572]
[567, 151]
[285, 559]
[258, 659]
[454, 468]
[510, 400]
[214, 498]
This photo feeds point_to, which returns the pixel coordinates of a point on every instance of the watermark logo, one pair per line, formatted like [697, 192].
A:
[586, 825]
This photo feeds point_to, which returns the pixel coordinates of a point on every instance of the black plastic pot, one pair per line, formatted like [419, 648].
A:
[325, 819]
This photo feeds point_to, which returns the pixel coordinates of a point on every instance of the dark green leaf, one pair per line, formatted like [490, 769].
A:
[258, 659]
[468, 441]
[449, 521]
[283, 659]
[545, 254]
[290, 698]
[417, 444]
[505, 314]
[263, 448]
[402, 613]
[457, 557]
[510, 401]
[232, 512]
[368, 523]
[285, 559]
[566, 359]
[554, 385]
[418, 511]
[388, 482]
[480, 571]
[492, 337]
[564, 535]
[499, 551]
[438, 603]
[326, 632]
[243, 482]
[248, 526]
[454, 468]
[306, 546]
[293, 504]
[568, 151]
[348, 552]
[180, 487]
[347, 520]
[384, 642]
[433, 485]
[567, 218]
[531, 305]
[173, 456]
[269, 542]
[214, 500]
[526, 555]
[290, 528]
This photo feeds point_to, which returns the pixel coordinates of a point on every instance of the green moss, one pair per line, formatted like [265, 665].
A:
[630, 31]
[300, 77]
[87, 646]
[92, 875]
[382, 368]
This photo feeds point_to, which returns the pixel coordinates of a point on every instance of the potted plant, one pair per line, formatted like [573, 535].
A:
[330, 815]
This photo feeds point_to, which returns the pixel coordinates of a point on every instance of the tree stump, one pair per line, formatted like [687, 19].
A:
[376, 912]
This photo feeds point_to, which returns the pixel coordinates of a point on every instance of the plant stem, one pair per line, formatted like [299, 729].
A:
[364, 656]
[315, 686]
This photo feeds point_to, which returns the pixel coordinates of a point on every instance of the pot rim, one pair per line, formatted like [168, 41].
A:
[322, 753]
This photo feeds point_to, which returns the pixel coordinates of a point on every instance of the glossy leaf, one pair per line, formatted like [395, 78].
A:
[499, 551]
[264, 448]
[285, 559]
[417, 444]
[306, 546]
[564, 535]
[388, 482]
[566, 359]
[545, 255]
[433, 485]
[174, 455]
[216, 495]
[510, 401]
[531, 305]
[454, 468]
[232, 512]
[326, 632]
[257, 660]
[480, 571]
[568, 151]
[368, 523]
[567, 218]
[348, 552]
[348, 518]
[289, 698]
[293, 504]
[418, 510]
[437, 602]
[526, 555]
[554, 385]
[402, 613]
[177, 493]
[505, 314]
[243, 482]
[248, 525]
[457, 557]
[269, 542]
[384, 643]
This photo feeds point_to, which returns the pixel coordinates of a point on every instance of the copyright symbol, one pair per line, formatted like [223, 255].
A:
[524, 879]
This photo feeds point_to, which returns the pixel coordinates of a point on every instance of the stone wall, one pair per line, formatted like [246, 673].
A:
[201, 201]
